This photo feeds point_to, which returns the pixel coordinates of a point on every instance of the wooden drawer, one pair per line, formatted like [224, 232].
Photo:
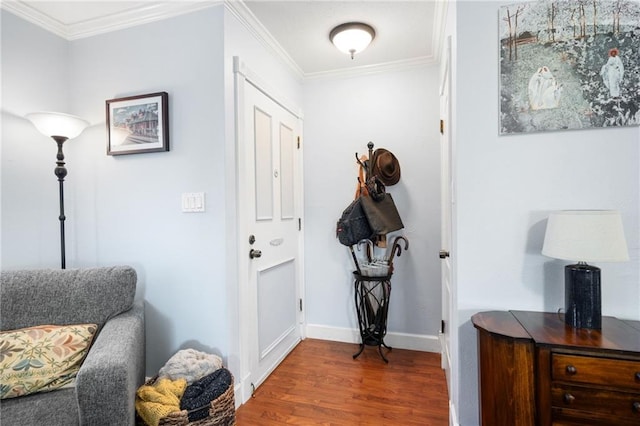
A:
[568, 417]
[601, 402]
[594, 370]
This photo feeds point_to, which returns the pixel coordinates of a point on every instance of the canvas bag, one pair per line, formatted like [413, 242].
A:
[383, 216]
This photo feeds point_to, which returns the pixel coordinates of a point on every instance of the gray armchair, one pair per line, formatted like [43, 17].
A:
[104, 393]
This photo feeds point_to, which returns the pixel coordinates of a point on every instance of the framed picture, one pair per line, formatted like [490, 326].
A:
[568, 65]
[138, 124]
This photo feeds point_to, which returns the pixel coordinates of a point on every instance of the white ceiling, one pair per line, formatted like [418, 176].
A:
[407, 32]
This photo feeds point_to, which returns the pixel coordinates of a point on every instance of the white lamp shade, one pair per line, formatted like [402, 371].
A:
[585, 236]
[352, 38]
[57, 124]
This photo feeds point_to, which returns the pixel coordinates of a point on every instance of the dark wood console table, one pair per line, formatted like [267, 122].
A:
[536, 370]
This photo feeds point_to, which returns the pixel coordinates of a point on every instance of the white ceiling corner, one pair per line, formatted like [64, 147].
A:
[251, 22]
[78, 19]
[409, 32]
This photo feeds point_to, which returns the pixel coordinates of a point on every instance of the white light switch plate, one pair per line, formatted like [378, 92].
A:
[193, 202]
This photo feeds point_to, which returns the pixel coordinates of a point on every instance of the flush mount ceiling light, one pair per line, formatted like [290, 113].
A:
[352, 37]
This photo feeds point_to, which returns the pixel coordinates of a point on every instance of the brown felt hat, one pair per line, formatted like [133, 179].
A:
[385, 165]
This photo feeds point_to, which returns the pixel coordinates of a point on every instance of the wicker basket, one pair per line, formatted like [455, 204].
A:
[222, 411]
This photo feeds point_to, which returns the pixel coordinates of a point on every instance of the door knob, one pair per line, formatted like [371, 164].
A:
[443, 254]
[254, 253]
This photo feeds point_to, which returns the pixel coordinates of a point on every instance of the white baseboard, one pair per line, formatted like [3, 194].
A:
[237, 394]
[453, 417]
[415, 342]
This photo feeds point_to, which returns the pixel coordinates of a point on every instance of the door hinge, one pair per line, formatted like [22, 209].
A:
[442, 326]
[298, 142]
[442, 127]
[300, 300]
[299, 224]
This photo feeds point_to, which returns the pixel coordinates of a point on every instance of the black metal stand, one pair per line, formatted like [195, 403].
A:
[60, 171]
[372, 305]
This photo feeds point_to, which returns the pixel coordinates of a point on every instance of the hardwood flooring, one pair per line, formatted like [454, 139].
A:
[319, 383]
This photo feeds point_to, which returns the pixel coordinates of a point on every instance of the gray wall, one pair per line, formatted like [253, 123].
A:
[506, 187]
[125, 210]
[129, 207]
[33, 79]
[398, 111]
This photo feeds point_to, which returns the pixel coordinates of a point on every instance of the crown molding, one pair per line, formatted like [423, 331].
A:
[439, 28]
[258, 30]
[254, 26]
[405, 64]
[117, 21]
[159, 11]
[249, 20]
[36, 17]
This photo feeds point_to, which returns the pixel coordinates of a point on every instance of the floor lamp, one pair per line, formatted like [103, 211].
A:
[60, 127]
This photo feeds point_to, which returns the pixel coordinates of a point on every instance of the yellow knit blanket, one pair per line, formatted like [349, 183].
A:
[155, 401]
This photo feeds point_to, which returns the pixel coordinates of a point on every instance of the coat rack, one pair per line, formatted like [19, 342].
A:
[365, 165]
[372, 280]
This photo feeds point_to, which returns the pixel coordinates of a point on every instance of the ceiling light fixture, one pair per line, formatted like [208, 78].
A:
[352, 37]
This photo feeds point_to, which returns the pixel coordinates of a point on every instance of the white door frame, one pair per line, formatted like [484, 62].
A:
[448, 229]
[445, 201]
[243, 76]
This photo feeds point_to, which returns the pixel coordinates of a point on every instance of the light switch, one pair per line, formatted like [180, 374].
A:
[193, 202]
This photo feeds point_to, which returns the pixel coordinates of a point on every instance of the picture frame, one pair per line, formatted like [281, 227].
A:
[138, 124]
[570, 65]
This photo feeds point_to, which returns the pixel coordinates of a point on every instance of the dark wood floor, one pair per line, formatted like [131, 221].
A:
[319, 383]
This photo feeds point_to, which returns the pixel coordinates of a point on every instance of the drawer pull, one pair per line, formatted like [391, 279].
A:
[636, 407]
[568, 398]
[638, 376]
[571, 370]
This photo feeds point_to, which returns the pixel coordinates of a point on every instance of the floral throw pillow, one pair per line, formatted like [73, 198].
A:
[42, 358]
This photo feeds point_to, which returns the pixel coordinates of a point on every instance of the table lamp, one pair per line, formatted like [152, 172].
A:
[584, 236]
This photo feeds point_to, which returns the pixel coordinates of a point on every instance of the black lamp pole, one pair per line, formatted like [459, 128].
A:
[60, 171]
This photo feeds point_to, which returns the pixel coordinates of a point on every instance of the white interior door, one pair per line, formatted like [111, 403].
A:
[271, 192]
[446, 212]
